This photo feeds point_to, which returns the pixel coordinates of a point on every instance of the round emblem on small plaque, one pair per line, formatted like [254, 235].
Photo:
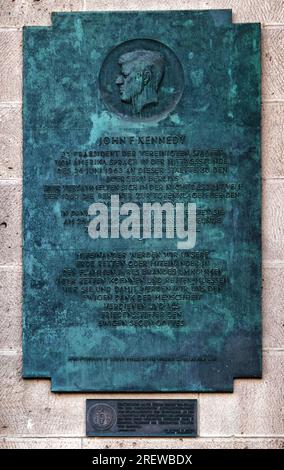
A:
[141, 80]
[102, 416]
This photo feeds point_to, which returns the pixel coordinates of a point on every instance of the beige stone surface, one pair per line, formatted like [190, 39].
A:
[273, 63]
[16, 13]
[273, 306]
[10, 310]
[273, 220]
[187, 443]
[28, 408]
[33, 417]
[273, 140]
[37, 443]
[255, 408]
[10, 141]
[267, 11]
[10, 223]
[10, 65]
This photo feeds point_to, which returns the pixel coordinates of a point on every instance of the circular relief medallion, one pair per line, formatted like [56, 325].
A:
[141, 80]
[102, 416]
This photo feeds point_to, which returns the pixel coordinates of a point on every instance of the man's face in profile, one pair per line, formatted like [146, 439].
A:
[141, 74]
[130, 81]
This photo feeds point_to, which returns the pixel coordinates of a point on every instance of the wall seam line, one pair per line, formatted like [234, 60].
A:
[129, 438]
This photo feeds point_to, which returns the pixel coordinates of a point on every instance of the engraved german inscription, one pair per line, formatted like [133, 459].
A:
[141, 210]
[141, 417]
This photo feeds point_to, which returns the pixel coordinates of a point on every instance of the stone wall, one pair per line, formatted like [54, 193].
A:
[33, 417]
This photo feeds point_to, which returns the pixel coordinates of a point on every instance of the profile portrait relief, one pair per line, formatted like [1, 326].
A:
[141, 74]
[141, 80]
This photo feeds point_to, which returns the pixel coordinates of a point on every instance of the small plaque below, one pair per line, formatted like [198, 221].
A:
[141, 417]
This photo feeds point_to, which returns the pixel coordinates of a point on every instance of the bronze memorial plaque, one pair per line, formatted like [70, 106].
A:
[134, 417]
[141, 207]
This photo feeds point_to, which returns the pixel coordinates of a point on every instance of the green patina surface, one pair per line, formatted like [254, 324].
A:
[139, 314]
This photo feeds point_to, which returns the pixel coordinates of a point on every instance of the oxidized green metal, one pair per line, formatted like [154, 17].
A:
[141, 108]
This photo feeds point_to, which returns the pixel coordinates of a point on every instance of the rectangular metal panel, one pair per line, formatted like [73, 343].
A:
[122, 110]
[149, 417]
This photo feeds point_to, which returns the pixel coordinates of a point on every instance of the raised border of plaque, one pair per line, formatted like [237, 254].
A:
[207, 332]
